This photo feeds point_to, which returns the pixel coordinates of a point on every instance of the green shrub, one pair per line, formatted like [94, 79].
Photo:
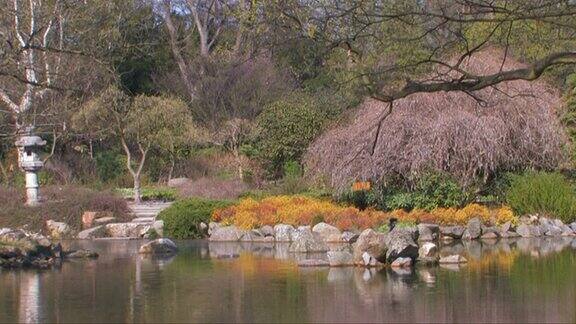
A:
[151, 193]
[182, 219]
[542, 192]
[433, 190]
[285, 128]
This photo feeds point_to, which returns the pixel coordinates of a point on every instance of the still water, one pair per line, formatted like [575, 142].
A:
[507, 281]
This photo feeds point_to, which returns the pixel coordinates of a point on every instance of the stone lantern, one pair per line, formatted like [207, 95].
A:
[28, 150]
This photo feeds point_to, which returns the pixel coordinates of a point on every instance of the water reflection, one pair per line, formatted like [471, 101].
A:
[526, 280]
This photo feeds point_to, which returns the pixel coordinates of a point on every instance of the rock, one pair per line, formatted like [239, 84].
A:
[327, 232]
[178, 182]
[369, 261]
[506, 227]
[227, 234]
[453, 259]
[400, 244]
[473, 229]
[349, 237]
[340, 258]
[267, 230]
[401, 263]
[159, 246]
[372, 243]
[91, 233]
[203, 228]
[428, 232]
[558, 222]
[573, 226]
[283, 232]
[88, 218]
[553, 230]
[304, 241]
[509, 234]
[158, 226]
[428, 253]
[213, 226]
[80, 254]
[58, 230]
[127, 230]
[104, 220]
[525, 230]
[313, 263]
[567, 231]
[489, 236]
[455, 232]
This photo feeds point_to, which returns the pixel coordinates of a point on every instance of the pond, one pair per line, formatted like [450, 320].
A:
[519, 280]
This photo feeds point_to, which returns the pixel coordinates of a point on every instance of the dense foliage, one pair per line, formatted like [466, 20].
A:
[427, 192]
[285, 128]
[301, 210]
[182, 219]
[543, 193]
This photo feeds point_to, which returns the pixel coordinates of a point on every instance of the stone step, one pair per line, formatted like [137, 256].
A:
[143, 220]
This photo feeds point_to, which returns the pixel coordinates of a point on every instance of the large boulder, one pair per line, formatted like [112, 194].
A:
[256, 236]
[127, 230]
[567, 231]
[340, 258]
[401, 244]
[371, 243]
[89, 218]
[473, 229]
[58, 230]
[454, 232]
[283, 232]
[525, 230]
[428, 232]
[158, 227]
[22, 249]
[304, 241]
[92, 233]
[428, 253]
[159, 246]
[327, 232]
[267, 230]
[104, 220]
[553, 230]
[227, 234]
[212, 226]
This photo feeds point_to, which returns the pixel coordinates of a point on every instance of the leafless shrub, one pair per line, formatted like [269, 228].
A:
[471, 136]
[212, 188]
[62, 203]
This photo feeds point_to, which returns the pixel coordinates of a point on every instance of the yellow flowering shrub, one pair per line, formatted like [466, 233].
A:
[302, 210]
[296, 210]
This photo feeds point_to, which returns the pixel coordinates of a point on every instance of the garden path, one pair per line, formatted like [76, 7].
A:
[146, 212]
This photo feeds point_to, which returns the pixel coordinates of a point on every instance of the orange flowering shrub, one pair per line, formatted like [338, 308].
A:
[296, 210]
[452, 216]
[301, 210]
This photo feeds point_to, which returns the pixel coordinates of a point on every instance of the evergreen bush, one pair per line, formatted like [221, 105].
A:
[182, 219]
[542, 192]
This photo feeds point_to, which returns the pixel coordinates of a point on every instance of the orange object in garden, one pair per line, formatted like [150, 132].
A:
[361, 185]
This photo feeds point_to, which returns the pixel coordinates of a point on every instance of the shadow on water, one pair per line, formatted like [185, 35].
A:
[513, 280]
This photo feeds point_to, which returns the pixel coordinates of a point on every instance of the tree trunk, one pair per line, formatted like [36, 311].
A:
[137, 193]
